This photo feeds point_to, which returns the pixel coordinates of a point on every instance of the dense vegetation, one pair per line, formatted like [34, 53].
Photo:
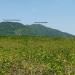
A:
[15, 28]
[20, 55]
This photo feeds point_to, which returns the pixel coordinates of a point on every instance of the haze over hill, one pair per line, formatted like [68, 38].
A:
[15, 28]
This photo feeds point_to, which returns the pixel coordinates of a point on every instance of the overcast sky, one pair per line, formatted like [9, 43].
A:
[59, 13]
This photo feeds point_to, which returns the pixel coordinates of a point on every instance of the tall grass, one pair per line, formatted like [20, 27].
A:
[23, 55]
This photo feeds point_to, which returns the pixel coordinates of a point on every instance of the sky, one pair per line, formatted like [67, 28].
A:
[60, 14]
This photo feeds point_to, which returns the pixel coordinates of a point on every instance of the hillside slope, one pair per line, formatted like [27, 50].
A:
[15, 28]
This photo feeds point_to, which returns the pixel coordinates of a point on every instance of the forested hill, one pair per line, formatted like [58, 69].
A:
[15, 28]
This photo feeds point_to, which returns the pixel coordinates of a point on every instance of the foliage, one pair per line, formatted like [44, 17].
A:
[24, 55]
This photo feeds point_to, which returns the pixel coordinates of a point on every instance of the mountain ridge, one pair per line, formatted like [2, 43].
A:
[16, 28]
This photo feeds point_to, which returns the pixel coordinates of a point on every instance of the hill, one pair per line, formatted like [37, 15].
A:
[15, 28]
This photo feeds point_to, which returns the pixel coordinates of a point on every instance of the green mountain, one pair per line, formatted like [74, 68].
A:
[15, 28]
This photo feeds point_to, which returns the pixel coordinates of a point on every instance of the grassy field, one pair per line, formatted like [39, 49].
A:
[20, 55]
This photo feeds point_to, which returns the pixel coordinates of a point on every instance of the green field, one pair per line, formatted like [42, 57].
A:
[20, 55]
